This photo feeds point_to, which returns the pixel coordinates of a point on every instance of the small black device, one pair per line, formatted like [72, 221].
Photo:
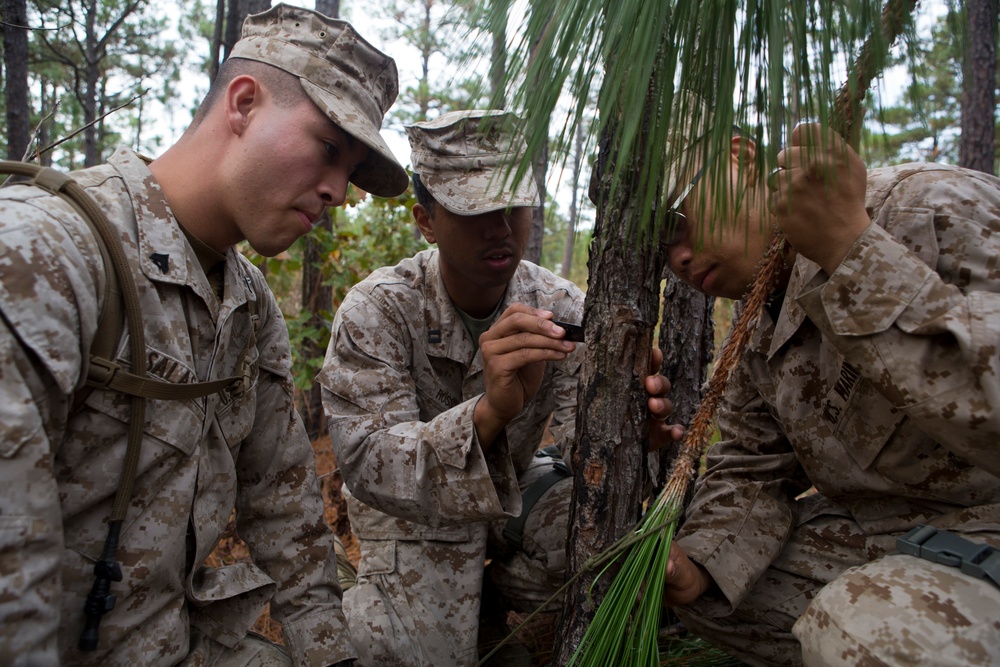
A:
[574, 332]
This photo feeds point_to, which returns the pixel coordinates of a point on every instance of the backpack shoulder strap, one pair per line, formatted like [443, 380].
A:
[103, 371]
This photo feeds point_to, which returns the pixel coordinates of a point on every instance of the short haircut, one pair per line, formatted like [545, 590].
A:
[284, 87]
[424, 197]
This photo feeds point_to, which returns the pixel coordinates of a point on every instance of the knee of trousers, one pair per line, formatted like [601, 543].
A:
[902, 610]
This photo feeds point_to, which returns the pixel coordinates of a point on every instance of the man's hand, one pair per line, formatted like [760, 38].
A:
[515, 351]
[686, 581]
[818, 195]
[661, 433]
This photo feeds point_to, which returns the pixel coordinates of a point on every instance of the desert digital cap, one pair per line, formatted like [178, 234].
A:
[467, 160]
[350, 80]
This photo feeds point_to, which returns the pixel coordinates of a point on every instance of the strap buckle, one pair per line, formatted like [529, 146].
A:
[981, 561]
[101, 372]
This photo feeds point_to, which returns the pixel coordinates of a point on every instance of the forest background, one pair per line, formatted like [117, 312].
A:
[82, 76]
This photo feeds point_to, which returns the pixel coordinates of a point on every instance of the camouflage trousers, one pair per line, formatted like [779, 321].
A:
[836, 596]
[253, 651]
[419, 603]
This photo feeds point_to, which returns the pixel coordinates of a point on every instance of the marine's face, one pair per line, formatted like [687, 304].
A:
[478, 253]
[724, 233]
[294, 163]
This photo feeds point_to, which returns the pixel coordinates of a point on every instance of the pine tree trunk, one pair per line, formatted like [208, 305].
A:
[977, 149]
[620, 312]
[329, 8]
[533, 253]
[317, 299]
[569, 246]
[687, 340]
[15, 59]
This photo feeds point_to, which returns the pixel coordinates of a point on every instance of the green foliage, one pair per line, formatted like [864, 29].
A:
[749, 58]
[126, 54]
[436, 31]
[370, 234]
[625, 629]
[925, 124]
[554, 242]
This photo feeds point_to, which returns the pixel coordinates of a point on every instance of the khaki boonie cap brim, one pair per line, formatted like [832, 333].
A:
[467, 160]
[350, 80]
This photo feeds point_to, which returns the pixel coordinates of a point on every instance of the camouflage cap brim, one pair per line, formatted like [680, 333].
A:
[479, 190]
[351, 81]
[468, 161]
[380, 174]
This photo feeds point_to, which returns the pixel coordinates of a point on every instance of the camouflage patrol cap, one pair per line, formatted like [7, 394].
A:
[350, 80]
[467, 160]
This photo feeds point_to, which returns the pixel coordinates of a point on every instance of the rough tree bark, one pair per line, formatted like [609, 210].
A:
[540, 162]
[329, 8]
[620, 313]
[977, 148]
[688, 342]
[216, 48]
[15, 60]
[237, 12]
[317, 299]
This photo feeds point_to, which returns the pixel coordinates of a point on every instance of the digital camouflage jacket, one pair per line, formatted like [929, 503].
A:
[200, 458]
[400, 382]
[879, 385]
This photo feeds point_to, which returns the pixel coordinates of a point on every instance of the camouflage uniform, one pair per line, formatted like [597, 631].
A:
[878, 385]
[400, 383]
[199, 459]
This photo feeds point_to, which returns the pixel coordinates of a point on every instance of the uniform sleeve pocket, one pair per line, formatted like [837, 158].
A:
[379, 557]
[868, 423]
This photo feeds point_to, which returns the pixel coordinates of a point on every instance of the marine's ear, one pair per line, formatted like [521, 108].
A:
[744, 151]
[243, 94]
[424, 221]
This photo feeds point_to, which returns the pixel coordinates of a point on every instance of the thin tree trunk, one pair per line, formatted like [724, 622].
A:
[574, 212]
[620, 312]
[217, 39]
[92, 76]
[426, 50]
[234, 27]
[255, 7]
[238, 11]
[540, 166]
[317, 300]
[498, 67]
[15, 58]
[533, 252]
[976, 149]
[688, 342]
